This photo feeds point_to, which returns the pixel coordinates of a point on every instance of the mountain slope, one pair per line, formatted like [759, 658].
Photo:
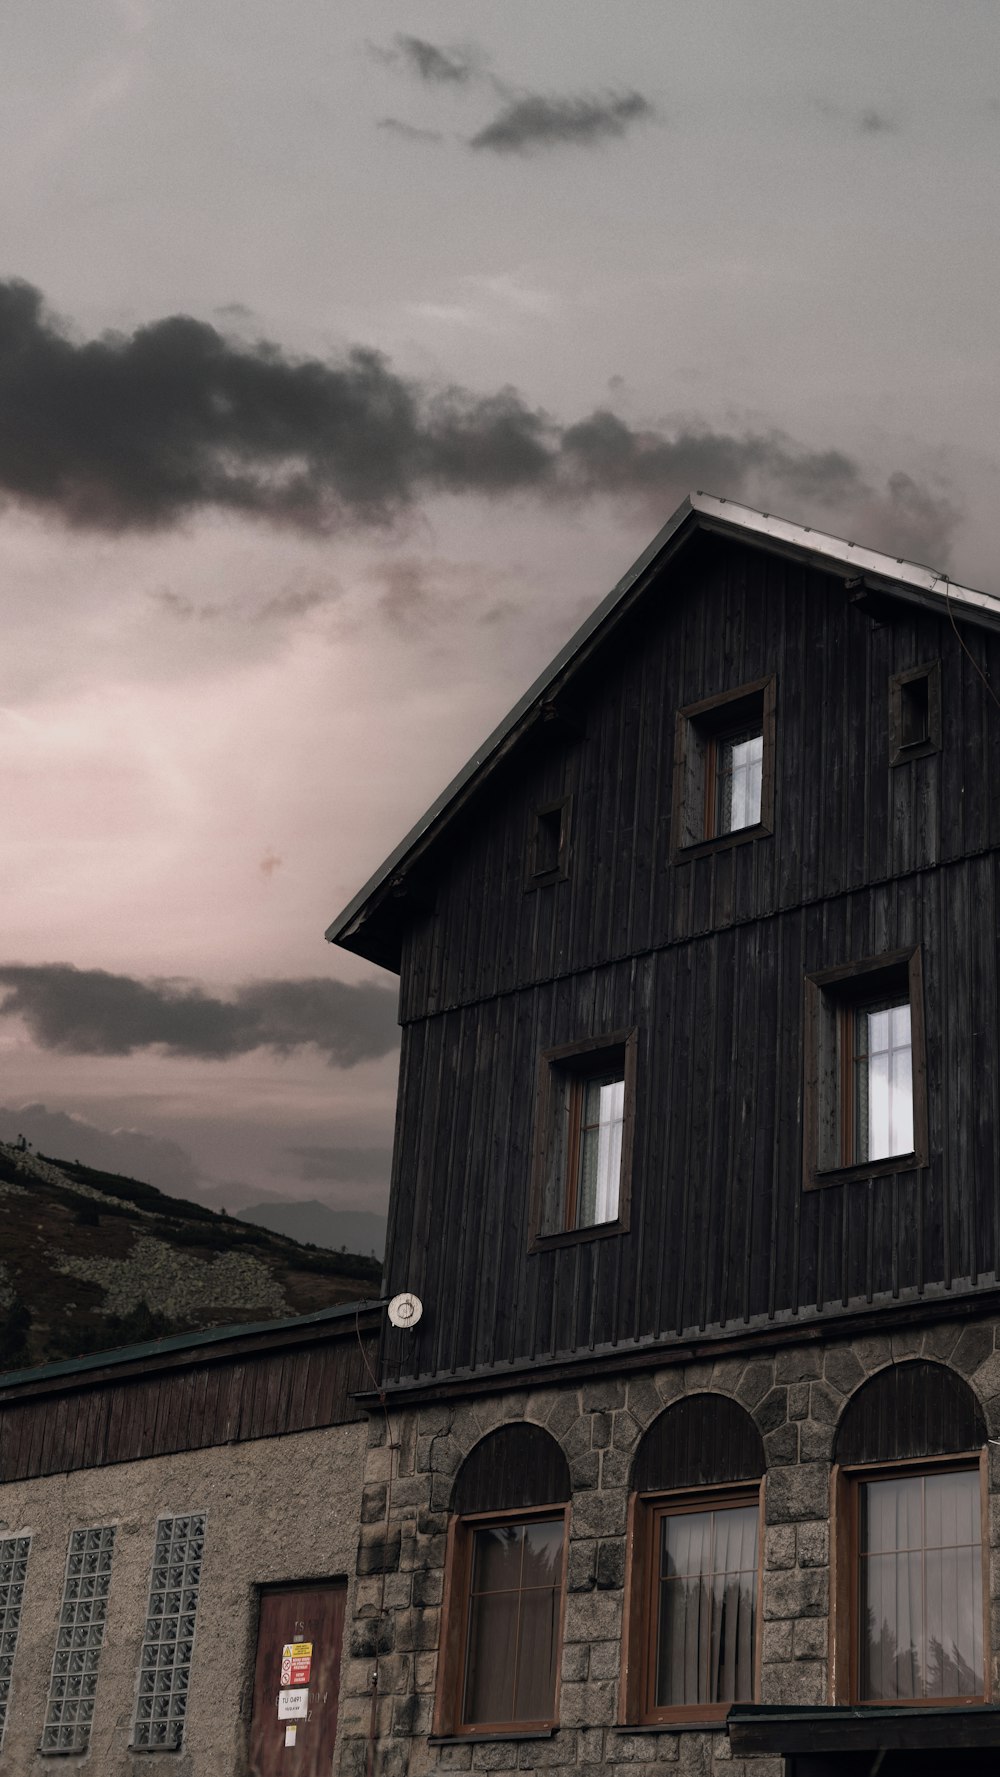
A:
[309, 1220]
[91, 1260]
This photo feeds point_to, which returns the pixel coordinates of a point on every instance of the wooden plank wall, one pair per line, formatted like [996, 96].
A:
[707, 958]
[228, 1401]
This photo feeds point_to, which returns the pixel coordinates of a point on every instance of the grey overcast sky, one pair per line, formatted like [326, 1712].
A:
[347, 355]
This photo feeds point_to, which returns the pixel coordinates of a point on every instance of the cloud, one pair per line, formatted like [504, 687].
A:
[408, 131]
[92, 1012]
[875, 123]
[134, 431]
[535, 122]
[439, 67]
[361, 1166]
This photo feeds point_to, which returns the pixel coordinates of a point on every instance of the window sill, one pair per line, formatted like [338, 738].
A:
[848, 1175]
[572, 1236]
[488, 1734]
[714, 1724]
[721, 842]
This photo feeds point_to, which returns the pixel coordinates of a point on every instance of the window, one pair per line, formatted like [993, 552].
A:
[514, 1608]
[502, 1631]
[69, 1712]
[168, 1643]
[13, 1573]
[548, 855]
[724, 768]
[583, 1139]
[910, 1515]
[865, 1098]
[915, 713]
[693, 1628]
[918, 1583]
[702, 1604]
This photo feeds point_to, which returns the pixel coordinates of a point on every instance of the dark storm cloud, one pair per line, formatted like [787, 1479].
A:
[536, 122]
[126, 432]
[875, 123]
[361, 1166]
[92, 1012]
[408, 131]
[430, 62]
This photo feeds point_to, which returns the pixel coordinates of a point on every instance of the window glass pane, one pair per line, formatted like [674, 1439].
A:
[490, 1662]
[707, 1604]
[512, 1648]
[883, 1081]
[921, 1598]
[602, 1115]
[73, 1684]
[739, 776]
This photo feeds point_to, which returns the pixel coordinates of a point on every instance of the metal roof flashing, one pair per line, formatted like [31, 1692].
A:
[903, 579]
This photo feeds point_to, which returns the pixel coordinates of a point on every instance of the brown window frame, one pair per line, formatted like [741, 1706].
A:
[845, 1592]
[899, 750]
[450, 1698]
[563, 1073]
[639, 1647]
[700, 729]
[832, 999]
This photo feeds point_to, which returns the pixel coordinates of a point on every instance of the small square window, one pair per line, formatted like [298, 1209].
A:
[583, 1138]
[724, 768]
[865, 1098]
[548, 852]
[915, 713]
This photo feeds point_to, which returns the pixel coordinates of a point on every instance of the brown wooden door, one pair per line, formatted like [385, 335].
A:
[290, 1614]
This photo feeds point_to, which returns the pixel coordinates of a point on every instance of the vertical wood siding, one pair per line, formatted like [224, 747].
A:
[152, 1414]
[706, 956]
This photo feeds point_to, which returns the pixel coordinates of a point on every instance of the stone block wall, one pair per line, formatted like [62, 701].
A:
[795, 1396]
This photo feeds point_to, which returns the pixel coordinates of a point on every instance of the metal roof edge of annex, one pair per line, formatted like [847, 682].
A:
[177, 1343]
[908, 580]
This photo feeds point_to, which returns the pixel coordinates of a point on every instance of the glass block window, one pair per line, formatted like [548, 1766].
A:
[168, 1643]
[13, 1572]
[70, 1709]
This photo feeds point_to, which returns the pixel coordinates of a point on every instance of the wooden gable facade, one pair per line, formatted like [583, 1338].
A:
[703, 949]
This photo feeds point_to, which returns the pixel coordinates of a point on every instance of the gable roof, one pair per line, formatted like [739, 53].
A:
[370, 923]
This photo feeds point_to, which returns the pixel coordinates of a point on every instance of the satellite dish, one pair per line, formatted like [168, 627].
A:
[405, 1310]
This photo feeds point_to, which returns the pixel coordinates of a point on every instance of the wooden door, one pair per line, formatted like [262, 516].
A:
[313, 1613]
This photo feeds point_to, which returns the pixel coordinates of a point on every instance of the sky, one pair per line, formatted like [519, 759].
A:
[348, 355]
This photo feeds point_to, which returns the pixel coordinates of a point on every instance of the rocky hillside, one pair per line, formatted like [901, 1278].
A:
[89, 1260]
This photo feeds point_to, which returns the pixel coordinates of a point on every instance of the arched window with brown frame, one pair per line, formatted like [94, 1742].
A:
[910, 1489]
[692, 1644]
[505, 1585]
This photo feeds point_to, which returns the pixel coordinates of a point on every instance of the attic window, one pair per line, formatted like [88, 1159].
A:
[724, 768]
[915, 713]
[548, 852]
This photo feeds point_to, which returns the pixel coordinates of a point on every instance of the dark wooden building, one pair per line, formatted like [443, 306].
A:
[697, 1180]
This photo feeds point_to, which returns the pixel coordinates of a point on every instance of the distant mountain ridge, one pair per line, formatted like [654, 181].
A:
[91, 1260]
[315, 1224]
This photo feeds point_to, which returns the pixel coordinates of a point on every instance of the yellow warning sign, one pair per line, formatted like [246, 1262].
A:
[296, 1650]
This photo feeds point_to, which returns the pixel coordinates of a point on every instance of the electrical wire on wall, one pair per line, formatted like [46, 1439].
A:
[390, 1448]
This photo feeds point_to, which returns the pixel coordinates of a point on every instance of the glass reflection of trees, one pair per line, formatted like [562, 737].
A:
[921, 1587]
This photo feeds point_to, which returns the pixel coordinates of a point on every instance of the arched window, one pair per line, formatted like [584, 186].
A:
[506, 1577]
[697, 1502]
[910, 1511]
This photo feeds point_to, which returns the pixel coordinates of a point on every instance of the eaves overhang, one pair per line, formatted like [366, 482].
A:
[369, 923]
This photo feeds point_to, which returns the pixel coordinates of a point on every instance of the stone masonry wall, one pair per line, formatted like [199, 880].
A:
[795, 1397]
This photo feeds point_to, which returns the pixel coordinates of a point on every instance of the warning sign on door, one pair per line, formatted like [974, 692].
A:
[296, 1662]
[293, 1705]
